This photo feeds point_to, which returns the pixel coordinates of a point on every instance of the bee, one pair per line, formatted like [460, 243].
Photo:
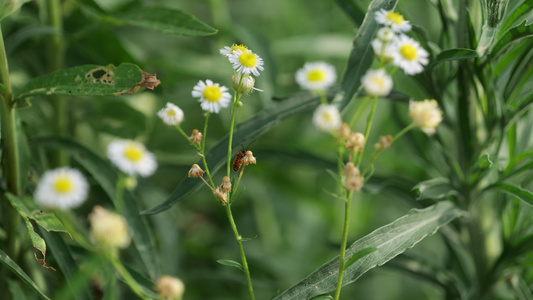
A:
[238, 158]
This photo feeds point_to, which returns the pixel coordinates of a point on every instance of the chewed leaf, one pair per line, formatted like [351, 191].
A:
[28, 210]
[91, 80]
[230, 263]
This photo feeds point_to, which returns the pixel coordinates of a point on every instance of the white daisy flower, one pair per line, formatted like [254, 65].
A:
[316, 76]
[246, 62]
[62, 188]
[327, 118]
[171, 115]
[383, 51]
[408, 55]
[377, 83]
[386, 34]
[227, 50]
[395, 20]
[109, 229]
[131, 158]
[426, 114]
[212, 96]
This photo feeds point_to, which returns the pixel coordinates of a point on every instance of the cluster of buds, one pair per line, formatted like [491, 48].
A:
[383, 143]
[354, 181]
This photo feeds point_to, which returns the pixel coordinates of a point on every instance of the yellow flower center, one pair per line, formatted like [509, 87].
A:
[238, 47]
[133, 153]
[327, 117]
[248, 60]
[171, 113]
[212, 93]
[63, 185]
[316, 75]
[395, 18]
[378, 81]
[408, 52]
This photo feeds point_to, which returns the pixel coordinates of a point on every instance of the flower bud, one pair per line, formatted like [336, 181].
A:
[344, 131]
[356, 141]
[247, 83]
[196, 137]
[226, 184]
[350, 170]
[384, 142]
[109, 229]
[170, 287]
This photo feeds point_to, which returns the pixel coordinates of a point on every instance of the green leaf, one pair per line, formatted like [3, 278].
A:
[87, 80]
[250, 129]
[165, 20]
[358, 256]
[362, 55]
[514, 190]
[230, 263]
[436, 189]
[322, 297]
[390, 241]
[513, 35]
[13, 267]
[48, 221]
[353, 10]
[107, 177]
[453, 54]
[10, 6]
[524, 8]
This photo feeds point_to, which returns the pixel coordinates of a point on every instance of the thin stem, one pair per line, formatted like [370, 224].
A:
[198, 147]
[236, 185]
[10, 157]
[55, 62]
[202, 150]
[236, 97]
[367, 131]
[119, 267]
[343, 243]
[238, 238]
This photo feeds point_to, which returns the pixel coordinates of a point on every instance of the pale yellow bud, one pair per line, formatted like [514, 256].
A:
[196, 171]
[356, 141]
[109, 229]
[426, 114]
[170, 287]
[247, 83]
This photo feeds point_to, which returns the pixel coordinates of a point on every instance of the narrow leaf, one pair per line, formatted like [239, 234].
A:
[514, 190]
[454, 54]
[166, 20]
[230, 263]
[358, 256]
[247, 130]
[13, 267]
[362, 55]
[390, 241]
[322, 297]
[107, 177]
[524, 8]
[513, 35]
[9, 7]
[436, 189]
[89, 80]
[351, 8]
[48, 221]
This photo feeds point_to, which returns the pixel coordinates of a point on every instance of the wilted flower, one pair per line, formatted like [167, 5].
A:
[384, 142]
[131, 158]
[196, 136]
[109, 229]
[62, 188]
[248, 158]
[220, 195]
[316, 76]
[350, 170]
[226, 184]
[327, 118]
[344, 131]
[356, 141]
[426, 114]
[354, 183]
[196, 171]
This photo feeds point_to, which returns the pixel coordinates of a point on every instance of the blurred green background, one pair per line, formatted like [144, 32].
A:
[286, 204]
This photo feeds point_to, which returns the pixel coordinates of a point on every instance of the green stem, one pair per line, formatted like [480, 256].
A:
[202, 151]
[238, 238]
[367, 130]
[119, 267]
[236, 185]
[55, 62]
[10, 158]
[236, 97]
[343, 243]
[187, 137]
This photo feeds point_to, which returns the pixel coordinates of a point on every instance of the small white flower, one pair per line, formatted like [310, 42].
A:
[408, 55]
[212, 96]
[131, 158]
[171, 115]
[227, 50]
[109, 229]
[377, 83]
[327, 118]
[392, 19]
[316, 76]
[384, 51]
[426, 114]
[246, 62]
[62, 188]
[386, 34]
